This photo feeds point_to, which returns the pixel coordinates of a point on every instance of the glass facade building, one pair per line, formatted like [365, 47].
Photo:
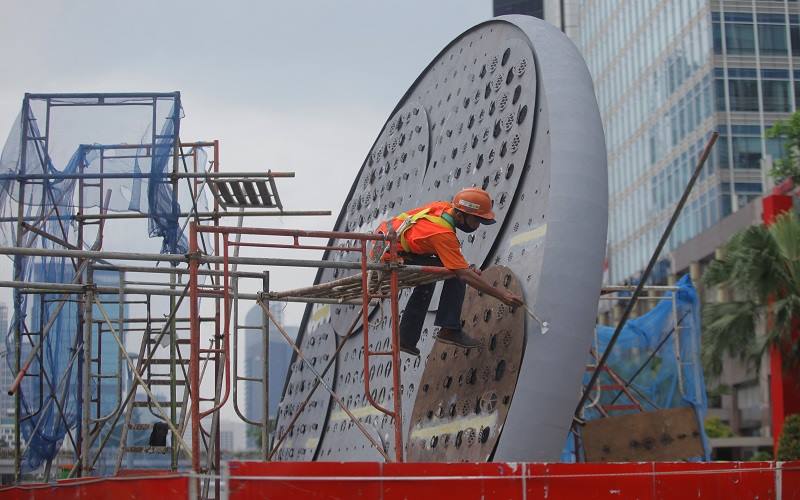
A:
[666, 73]
[528, 7]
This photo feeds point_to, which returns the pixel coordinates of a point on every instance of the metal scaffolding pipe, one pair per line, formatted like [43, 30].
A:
[164, 270]
[253, 213]
[205, 259]
[145, 175]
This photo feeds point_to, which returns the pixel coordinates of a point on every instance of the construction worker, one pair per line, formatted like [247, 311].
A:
[427, 235]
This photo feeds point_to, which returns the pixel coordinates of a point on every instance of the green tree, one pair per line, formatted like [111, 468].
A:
[789, 443]
[787, 167]
[761, 266]
[716, 428]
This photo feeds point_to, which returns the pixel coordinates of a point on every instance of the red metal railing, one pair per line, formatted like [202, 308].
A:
[359, 246]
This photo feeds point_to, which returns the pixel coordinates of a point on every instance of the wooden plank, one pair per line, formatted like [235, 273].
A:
[239, 194]
[251, 193]
[670, 434]
[265, 196]
[222, 187]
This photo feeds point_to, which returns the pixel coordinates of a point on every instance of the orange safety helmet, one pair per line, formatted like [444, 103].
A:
[475, 201]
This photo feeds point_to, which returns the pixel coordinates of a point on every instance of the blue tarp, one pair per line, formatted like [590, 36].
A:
[78, 138]
[673, 378]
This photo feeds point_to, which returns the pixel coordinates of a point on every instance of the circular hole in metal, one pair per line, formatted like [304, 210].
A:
[484, 435]
[500, 370]
[506, 55]
[452, 410]
[470, 437]
[434, 441]
[459, 438]
[479, 162]
[491, 108]
[493, 343]
[487, 315]
[522, 113]
[448, 381]
[517, 93]
[510, 75]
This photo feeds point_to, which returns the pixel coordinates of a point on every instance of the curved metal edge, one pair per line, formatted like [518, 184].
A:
[577, 215]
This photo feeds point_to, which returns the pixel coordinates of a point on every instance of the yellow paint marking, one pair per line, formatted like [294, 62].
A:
[531, 235]
[421, 432]
[312, 442]
[322, 313]
[361, 411]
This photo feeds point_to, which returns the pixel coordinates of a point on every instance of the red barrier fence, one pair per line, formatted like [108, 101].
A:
[148, 485]
[530, 481]
[389, 481]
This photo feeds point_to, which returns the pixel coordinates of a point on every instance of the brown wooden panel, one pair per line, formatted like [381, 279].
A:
[662, 435]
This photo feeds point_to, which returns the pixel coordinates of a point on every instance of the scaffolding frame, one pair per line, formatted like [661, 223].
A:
[375, 280]
[91, 330]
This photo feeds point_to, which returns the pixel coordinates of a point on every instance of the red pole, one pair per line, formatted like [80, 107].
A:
[194, 356]
[784, 393]
[398, 404]
[365, 321]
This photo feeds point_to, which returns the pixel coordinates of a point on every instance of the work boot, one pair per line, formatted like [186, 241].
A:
[457, 338]
[409, 349]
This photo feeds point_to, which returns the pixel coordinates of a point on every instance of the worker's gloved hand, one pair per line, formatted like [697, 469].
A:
[512, 299]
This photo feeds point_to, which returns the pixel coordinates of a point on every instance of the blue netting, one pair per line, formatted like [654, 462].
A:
[672, 378]
[110, 135]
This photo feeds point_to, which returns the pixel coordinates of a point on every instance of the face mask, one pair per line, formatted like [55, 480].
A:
[462, 225]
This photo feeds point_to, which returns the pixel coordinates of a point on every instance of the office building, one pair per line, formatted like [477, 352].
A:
[280, 355]
[666, 74]
[561, 13]
[6, 379]
[528, 7]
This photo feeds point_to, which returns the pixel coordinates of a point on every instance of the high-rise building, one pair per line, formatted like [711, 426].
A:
[280, 355]
[226, 440]
[561, 13]
[666, 74]
[528, 7]
[6, 379]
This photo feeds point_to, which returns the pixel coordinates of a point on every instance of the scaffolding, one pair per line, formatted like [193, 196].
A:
[154, 351]
[63, 219]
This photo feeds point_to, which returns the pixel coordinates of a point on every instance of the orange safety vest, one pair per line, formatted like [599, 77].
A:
[419, 223]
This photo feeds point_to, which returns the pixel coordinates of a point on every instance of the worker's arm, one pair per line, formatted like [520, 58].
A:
[478, 282]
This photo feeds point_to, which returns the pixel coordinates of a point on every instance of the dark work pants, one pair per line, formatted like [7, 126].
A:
[449, 313]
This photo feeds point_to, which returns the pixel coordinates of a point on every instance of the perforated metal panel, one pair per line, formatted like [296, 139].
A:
[465, 394]
[484, 113]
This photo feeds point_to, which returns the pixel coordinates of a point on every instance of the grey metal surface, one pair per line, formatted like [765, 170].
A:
[507, 106]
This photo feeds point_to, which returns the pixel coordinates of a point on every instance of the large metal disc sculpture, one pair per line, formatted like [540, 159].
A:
[508, 106]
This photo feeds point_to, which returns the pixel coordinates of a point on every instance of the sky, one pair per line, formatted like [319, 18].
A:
[288, 86]
[301, 86]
